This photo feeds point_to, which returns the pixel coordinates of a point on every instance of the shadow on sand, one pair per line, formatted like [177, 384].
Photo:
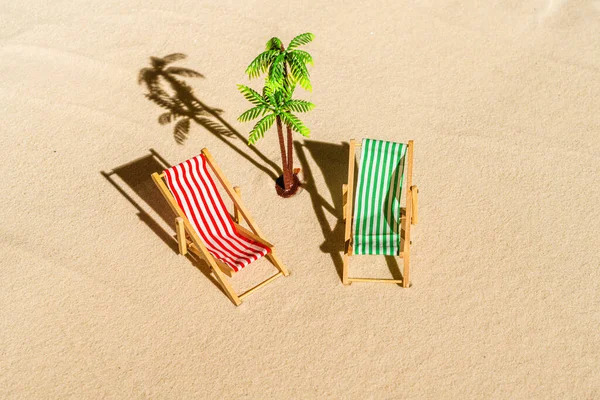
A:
[177, 98]
[133, 180]
[332, 161]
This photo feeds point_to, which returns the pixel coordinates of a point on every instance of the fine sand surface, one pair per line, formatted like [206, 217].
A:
[503, 104]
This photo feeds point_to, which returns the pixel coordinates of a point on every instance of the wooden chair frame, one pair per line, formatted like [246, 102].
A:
[188, 239]
[409, 216]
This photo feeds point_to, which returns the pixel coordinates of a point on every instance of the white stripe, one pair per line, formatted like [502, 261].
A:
[193, 211]
[214, 233]
[177, 171]
[398, 193]
[235, 254]
[361, 231]
[215, 200]
[377, 193]
[214, 209]
[358, 223]
[247, 254]
[385, 189]
[372, 194]
[390, 199]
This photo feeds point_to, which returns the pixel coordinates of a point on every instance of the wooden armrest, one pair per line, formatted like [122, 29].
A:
[344, 200]
[252, 236]
[236, 210]
[415, 204]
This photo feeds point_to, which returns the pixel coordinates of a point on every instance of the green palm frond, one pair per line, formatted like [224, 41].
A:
[189, 73]
[274, 44]
[173, 57]
[289, 86]
[299, 71]
[268, 90]
[252, 113]
[261, 63]
[251, 95]
[280, 97]
[260, 128]
[269, 95]
[276, 72]
[299, 105]
[290, 83]
[304, 56]
[300, 40]
[296, 62]
[284, 70]
[294, 122]
[182, 130]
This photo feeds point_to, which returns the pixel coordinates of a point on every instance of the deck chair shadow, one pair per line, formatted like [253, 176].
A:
[376, 224]
[205, 227]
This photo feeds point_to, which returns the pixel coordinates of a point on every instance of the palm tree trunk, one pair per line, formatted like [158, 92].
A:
[287, 179]
[290, 151]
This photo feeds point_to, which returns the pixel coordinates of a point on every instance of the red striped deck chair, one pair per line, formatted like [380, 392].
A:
[205, 227]
[376, 224]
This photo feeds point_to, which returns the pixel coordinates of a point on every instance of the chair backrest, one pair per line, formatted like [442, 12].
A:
[196, 193]
[377, 203]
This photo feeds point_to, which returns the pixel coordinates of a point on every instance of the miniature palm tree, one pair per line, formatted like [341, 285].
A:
[285, 68]
[275, 105]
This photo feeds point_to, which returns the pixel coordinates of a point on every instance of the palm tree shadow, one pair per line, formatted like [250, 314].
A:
[133, 181]
[331, 159]
[182, 107]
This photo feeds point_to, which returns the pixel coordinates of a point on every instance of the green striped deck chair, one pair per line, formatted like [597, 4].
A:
[376, 224]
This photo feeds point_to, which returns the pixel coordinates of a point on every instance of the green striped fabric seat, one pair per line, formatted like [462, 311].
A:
[378, 193]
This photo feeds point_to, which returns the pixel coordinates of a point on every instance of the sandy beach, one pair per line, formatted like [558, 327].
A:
[502, 103]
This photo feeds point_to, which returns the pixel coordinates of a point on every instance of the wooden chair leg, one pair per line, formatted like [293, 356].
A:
[181, 240]
[219, 275]
[345, 280]
[344, 199]
[222, 279]
[347, 245]
[406, 273]
[277, 263]
[348, 196]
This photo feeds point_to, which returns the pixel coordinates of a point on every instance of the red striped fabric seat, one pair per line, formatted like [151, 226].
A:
[196, 193]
